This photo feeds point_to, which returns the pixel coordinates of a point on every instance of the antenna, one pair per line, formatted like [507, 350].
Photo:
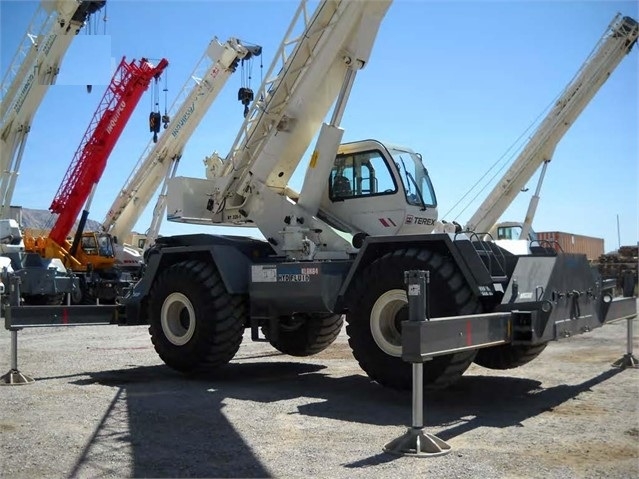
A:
[618, 233]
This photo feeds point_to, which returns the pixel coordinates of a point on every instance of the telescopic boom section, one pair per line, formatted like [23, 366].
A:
[48, 36]
[312, 70]
[128, 84]
[616, 42]
[312, 73]
[304, 80]
[34, 67]
[159, 160]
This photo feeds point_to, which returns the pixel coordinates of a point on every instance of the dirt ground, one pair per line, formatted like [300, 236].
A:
[103, 405]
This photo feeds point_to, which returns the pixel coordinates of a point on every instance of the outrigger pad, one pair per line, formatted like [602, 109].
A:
[417, 443]
[15, 378]
[626, 361]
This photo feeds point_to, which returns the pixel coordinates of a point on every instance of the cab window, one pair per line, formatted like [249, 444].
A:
[514, 233]
[89, 245]
[360, 174]
[105, 247]
[508, 232]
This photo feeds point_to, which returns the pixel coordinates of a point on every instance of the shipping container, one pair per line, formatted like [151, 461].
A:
[592, 247]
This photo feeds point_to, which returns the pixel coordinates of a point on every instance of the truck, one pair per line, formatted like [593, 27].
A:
[340, 247]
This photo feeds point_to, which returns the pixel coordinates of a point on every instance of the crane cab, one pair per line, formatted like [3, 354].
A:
[380, 190]
[97, 246]
[94, 248]
[511, 230]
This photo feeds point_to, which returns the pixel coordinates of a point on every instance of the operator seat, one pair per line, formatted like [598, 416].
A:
[341, 187]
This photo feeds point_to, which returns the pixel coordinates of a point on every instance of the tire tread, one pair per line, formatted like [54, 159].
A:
[220, 317]
[392, 372]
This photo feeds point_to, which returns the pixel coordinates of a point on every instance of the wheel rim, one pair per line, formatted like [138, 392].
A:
[178, 319]
[76, 295]
[384, 321]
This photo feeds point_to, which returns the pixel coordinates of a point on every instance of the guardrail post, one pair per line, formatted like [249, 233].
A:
[417, 442]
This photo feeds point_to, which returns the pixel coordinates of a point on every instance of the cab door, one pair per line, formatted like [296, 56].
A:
[363, 191]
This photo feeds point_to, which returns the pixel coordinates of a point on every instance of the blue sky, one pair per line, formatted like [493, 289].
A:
[457, 81]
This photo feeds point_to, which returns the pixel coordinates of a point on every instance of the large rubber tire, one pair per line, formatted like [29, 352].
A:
[305, 336]
[195, 324]
[82, 295]
[378, 303]
[507, 356]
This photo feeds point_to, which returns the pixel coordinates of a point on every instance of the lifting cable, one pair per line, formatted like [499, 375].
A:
[155, 117]
[92, 26]
[245, 94]
[166, 118]
[104, 20]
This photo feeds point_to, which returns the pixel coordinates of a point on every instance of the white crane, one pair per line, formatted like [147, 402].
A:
[34, 68]
[159, 160]
[199, 292]
[614, 45]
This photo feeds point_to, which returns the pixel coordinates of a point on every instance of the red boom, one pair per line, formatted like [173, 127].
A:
[128, 84]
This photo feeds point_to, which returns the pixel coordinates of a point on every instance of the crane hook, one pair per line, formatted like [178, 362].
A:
[154, 124]
[245, 95]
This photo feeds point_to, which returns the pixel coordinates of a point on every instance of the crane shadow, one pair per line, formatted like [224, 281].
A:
[170, 426]
[501, 402]
[176, 426]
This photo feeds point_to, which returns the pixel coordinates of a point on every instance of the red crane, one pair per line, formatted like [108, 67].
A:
[128, 84]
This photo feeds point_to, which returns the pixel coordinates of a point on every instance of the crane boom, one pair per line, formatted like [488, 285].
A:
[337, 39]
[159, 160]
[616, 42]
[312, 70]
[33, 69]
[129, 82]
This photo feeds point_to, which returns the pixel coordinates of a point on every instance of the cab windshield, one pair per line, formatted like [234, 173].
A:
[419, 190]
[513, 232]
[105, 247]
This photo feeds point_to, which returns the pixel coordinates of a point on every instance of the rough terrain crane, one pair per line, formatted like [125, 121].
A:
[614, 45]
[91, 254]
[159, 160]
[34, 67]
[364, 216]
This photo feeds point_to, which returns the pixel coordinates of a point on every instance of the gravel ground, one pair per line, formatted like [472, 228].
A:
[103, 405]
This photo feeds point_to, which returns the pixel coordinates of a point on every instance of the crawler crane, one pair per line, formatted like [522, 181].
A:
[91, 254]
[365, 215]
